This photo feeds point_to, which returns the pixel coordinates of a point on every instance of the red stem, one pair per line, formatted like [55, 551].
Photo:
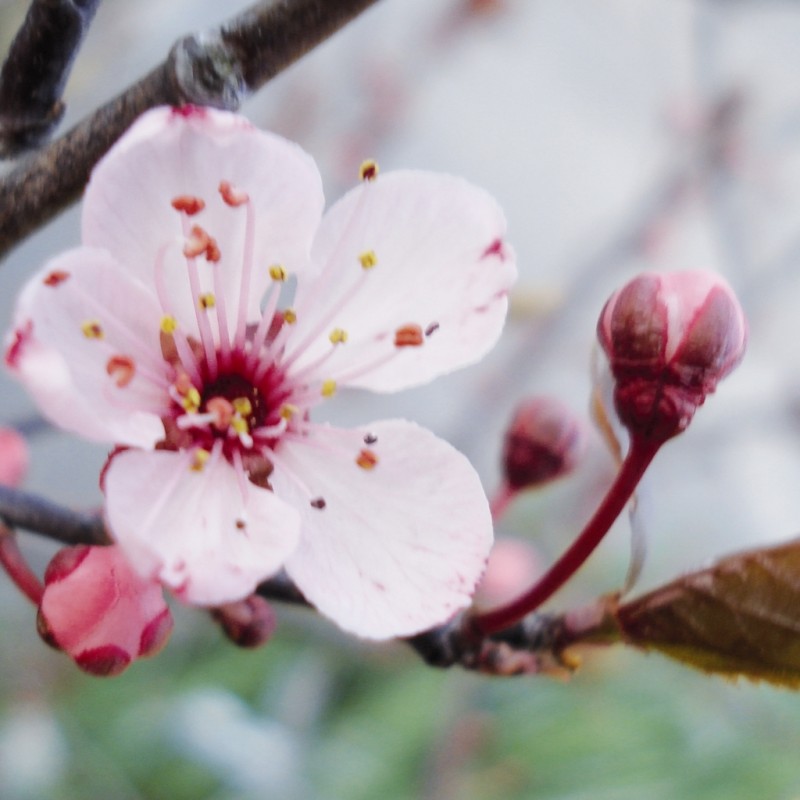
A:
[14, 563]
[637, 460]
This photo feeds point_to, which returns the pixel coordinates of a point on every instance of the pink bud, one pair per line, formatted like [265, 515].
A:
[247, 623]
[99, 611]
[513, 565]
[670, 338]
[544, 441]
[13, 457]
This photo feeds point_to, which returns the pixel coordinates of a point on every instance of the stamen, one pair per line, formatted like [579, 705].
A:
[432, 328]
[188, 204]
[367, 459]
[121, 369]
[338, 336]
[289, 316]
[328, 388]
[368, 170]
[232, 196]
[370, 438]
[192, 400]
[56, 277]
[278, 273]
[247, 270]
[199, 459]
[168, 324]
[199, 243]
[207, 300]
[222, 411]
[318, 502]
[288, 411]
[243, 406]
[368, 259]
[91, 329]
[409, 336]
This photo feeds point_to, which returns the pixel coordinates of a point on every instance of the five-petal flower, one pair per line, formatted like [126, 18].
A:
[211, 307]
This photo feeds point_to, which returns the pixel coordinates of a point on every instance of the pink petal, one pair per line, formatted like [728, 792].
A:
[396, 548]
[187, 153]
[442, 266]
[195, 530]
[67, 372]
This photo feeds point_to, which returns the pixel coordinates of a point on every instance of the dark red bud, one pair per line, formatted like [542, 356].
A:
[247, 623]
[544, 441]
[670, 338]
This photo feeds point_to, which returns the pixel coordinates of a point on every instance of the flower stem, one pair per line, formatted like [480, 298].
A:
[14, 563]
[639, 456]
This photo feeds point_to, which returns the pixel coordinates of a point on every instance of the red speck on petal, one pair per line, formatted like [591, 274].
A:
[14, 350]
[103, 661]
[56, 277]
[65, 562]
[188, 111]
[495, 249]
[156, 634]
[188, 204]
[366, 459]
[408, 336]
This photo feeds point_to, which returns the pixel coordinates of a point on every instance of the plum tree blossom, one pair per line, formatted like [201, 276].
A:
[211, 307]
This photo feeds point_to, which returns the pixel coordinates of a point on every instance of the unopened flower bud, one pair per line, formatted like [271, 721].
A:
[99, 611]
[544, 441]
[247, 623]
[513, 565]
[670, 338]
[14, 457]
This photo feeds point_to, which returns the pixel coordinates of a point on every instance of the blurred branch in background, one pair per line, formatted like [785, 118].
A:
[35, 72]
[218, 67]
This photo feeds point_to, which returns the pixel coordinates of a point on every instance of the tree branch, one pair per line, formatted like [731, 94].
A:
[218, 68]
[36, 69]
[33, 513]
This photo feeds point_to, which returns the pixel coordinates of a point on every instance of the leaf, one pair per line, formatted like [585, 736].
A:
[738, 618]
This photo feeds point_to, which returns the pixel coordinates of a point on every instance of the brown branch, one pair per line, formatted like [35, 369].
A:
[36, 69]
[219, 68]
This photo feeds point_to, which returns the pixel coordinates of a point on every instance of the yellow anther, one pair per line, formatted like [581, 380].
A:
[191, 400]
[200, 458]
[290, 316]
[368, 170]
[169, 324]
[207, 300]
[328, 388]
[91, 329]
[243, 406]
[240, 425]
[288, 411]
[338, 336]
[368, 259]
[278, 272]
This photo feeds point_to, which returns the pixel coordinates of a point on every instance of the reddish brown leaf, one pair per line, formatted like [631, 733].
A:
[740, 617]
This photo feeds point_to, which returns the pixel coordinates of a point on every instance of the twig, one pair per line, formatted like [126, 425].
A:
[33, 75]
[36, 514]
[219, 68]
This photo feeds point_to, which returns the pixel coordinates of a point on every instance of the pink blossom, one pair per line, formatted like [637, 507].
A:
[14, 457]
[99, 611]
[211, 308]
[670, 338]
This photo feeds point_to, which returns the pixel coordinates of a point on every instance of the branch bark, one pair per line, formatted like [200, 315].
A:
[36, 69]
[219, 67]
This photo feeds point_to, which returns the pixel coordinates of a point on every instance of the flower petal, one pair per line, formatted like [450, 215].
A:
[205, 534]
[395, 548]
[71, 320]
[169, 154]
[411, 252]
